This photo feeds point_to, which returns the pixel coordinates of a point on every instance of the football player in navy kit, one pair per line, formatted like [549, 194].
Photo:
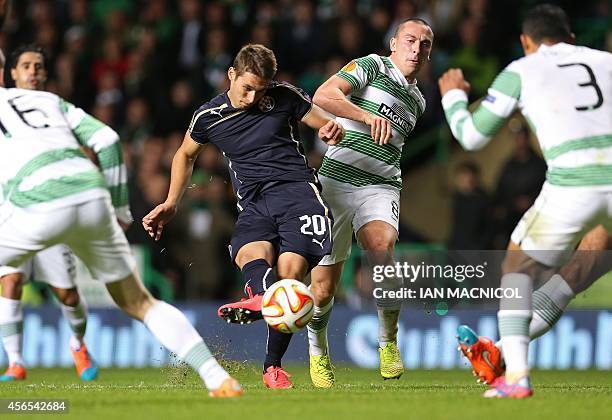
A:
[283, 220]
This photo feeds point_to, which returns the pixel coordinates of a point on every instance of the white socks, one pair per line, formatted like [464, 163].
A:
[514, 317]
[387, 326]
[11, 327]
[176, 333]
[212, 373]
[77, 319]
[549, 302]
[317, 329]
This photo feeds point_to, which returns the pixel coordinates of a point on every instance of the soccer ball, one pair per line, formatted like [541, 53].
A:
[287, 306]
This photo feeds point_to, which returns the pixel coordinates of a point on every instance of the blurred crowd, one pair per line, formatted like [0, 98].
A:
[143, 67]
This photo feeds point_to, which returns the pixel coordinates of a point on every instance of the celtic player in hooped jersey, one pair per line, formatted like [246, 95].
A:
[377, 101]
[53, 194]
[565, 92]
[55, 265]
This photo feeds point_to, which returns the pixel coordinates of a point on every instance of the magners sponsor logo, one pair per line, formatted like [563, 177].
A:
[392, 115]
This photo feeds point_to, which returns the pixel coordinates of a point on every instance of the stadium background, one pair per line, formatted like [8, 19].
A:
[143, 67]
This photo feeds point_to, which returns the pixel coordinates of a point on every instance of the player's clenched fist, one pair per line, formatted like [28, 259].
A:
[380, 128]
[155, 221]
[453, 79]
[332, 132]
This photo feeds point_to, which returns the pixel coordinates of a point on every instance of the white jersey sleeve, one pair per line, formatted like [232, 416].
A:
[104, 141]
[475, 130]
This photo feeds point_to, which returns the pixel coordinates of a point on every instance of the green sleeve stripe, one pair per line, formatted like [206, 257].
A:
[457, 106]
[65, 105]
[119, 195]
[508, 83]
[369, 65]
[595, 142]
[582, 176]
[110, 156]
[349, 78]
[459, 130]
[87, 128]
[486, 122]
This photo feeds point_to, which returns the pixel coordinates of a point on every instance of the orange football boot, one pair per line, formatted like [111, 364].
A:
[485, 357]
[85, 366]
[15, 372]
[228, 389]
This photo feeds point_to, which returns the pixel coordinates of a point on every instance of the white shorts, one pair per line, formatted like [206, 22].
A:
[550, 230]
[55, 266]
[353, 207]
[90, 229]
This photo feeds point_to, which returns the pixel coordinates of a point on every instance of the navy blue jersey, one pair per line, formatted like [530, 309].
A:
[261, 143]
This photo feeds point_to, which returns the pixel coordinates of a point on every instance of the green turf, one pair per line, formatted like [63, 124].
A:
[599, 295]
[175, 393]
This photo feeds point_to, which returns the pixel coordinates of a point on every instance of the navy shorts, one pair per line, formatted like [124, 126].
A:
[292, 216]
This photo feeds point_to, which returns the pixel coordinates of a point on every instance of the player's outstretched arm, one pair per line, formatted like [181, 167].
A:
[331, 96]
[329, 130]
[180, 174]
[474, 130]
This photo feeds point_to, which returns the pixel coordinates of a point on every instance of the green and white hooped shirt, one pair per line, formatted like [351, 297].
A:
[565, 93]
[41, 163]
[379, 88]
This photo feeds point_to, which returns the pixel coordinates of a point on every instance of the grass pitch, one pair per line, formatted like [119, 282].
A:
[177, 393]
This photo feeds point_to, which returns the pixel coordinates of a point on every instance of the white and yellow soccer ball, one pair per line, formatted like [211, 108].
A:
[287, 306]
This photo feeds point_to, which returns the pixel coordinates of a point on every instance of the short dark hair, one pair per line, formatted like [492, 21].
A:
[414, 19]
[546, 22]
[256, 59]
[14, 57]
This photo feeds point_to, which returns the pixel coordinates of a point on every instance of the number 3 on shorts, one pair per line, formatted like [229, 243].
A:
[313, 225]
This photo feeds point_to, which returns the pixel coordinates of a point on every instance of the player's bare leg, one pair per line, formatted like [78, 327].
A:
[378, 238]
[174, 332]
[11, 325]
[586, 267]
[323, 285]
[588, 263]
[75, 312]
